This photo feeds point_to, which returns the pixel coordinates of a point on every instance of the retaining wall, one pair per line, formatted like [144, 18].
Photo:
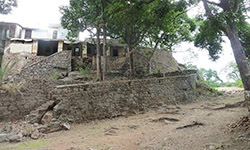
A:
[81, 102]
[15, 104]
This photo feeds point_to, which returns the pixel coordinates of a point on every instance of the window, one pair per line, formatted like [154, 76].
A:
[54, 34]
[77, 52]
[115, 52]
[27, 34]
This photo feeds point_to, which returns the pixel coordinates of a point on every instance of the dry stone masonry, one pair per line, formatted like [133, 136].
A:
[45, 107]
[58, 63]
[82, 102]
[15, 104]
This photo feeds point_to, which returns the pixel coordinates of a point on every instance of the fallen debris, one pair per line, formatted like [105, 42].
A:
[133, 126]
[165, 119]
[226, 106]
[191, 125]
[242, 123]
[19, 131]
[111, 131]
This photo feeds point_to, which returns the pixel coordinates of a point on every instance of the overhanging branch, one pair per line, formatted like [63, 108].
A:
[207, 9]
[213, 3]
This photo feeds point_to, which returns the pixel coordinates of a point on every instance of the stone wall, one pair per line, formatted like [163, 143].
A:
[81, 102]
[16, 102]
[22, 59]
[58, 63]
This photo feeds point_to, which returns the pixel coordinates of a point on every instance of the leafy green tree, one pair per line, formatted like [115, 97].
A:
[152, 23]
[170, 25]
[82, 15]
[227, 18]
[128, 20]
[232, 71]
[136, 22]
[210, 75]
[6, 6]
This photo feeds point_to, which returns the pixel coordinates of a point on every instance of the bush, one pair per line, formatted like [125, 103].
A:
[5, 70]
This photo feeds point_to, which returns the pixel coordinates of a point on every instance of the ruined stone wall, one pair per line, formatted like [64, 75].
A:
[81, 102]
[16, 102]
[58, 63]
[22, 59]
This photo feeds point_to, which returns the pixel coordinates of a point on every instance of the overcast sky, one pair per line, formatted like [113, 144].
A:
[41, 13]
[36, 13]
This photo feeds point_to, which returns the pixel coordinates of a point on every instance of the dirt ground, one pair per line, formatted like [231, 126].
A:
[202, 125]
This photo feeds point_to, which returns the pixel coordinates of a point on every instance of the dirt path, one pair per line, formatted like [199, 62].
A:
[154, 130]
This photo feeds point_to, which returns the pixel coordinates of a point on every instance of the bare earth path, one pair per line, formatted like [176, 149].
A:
[154, 130]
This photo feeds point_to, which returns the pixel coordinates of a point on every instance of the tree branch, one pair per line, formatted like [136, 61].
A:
[236, 6]
[147, 2]
[207, 9]
[213, 3]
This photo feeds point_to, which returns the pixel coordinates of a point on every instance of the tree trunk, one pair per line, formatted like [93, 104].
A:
[131, 62]
[239, 56]
[1, 58]
[104, 52]
[98, 55]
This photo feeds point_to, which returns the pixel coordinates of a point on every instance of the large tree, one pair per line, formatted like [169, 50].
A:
[128, 20]
[227, 18]
[150, 23]
[170, 25]
[82, 15]
[7, 5]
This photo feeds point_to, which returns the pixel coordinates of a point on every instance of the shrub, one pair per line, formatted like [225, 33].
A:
[5, 70]
[54, 76]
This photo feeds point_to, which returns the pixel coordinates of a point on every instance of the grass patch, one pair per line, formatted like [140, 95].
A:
[30, 145]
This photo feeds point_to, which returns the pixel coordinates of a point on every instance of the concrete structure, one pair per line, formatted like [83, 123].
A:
[37, 42]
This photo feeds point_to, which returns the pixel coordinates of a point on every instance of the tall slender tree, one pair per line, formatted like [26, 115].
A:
[128, 21]
[82, 15]
[104, 28]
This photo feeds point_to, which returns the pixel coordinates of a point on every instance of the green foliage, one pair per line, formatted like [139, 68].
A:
[159, 71]
[84, 70]
[207, 75]
[211, 78]
[6, 6]
[132, 22]
[169, 24]
[232, 71]
[54, 76]
[80, 15]
[217, 23]
[244, 34]
[210, 38]
[31, 145]
[128, 20]
[5, 70]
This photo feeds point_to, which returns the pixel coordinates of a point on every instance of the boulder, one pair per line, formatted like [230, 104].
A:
[4, 137]
[47, 117]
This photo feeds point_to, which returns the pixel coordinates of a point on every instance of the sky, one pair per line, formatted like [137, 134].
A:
[36, 13]
[41, 13]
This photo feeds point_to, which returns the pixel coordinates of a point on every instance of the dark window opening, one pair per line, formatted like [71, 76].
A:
[46, 48]
[54, 35]
[77, 51]
[27, 34]
[91, 49]
[115, 52]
